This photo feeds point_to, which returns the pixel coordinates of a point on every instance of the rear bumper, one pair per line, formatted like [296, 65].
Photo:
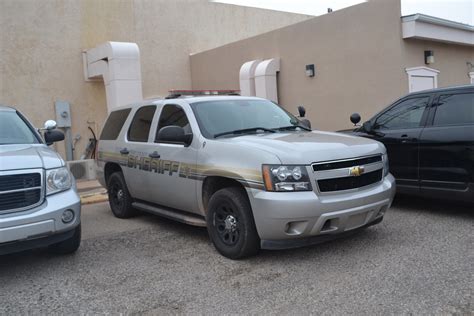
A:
[294, 216]
[40, 226]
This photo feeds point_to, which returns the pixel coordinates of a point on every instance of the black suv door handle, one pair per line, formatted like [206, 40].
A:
[124, 151]
[405, 138]
[154, 155]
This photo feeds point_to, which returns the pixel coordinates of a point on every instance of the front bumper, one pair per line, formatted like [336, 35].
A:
[40, 224]
[296, 216]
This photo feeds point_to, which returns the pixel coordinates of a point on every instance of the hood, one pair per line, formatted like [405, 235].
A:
[309, 147]
[28, 157]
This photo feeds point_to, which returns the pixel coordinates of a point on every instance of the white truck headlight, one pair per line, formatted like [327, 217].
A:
[58, 180]
[385, 165]
[286, 178]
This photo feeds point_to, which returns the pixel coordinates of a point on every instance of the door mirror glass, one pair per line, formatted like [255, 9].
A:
[174, 134]
[306, 123]
[52, 136]
[355, 118]
[50, 125]
[301, 111]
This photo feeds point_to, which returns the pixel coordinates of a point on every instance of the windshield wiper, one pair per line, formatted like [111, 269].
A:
[245, 130]
[285, 128]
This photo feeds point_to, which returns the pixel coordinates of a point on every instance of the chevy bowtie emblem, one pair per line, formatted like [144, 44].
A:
[356, 171]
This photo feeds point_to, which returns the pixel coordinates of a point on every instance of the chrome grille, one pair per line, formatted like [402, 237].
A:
[333, 176]
[20, 190]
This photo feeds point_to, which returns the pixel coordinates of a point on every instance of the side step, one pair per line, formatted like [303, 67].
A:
[183, 217]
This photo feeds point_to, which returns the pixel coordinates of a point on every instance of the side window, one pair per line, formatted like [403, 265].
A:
[141, 123]
[114, 124]
[454, 109]
[173, 115]
[406, 114]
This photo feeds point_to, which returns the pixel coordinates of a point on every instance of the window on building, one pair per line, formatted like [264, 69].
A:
[454, 109]
[406, 114]
[141, 124]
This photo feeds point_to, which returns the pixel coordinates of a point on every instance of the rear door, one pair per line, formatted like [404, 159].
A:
[399, 129]
[447, 143]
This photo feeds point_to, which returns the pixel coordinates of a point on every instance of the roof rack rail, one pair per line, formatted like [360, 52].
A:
[189, 93]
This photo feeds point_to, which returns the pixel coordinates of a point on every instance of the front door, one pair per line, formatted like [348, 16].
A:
[170, 179]
[399, 129]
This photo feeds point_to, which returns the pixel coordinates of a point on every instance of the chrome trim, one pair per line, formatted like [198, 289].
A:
[42, 187]
[344, 172]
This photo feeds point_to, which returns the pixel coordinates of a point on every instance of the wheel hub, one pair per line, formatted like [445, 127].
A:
[230, 223]
[120, 195]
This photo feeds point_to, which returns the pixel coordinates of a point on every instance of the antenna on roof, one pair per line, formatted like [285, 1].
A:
[329, 10]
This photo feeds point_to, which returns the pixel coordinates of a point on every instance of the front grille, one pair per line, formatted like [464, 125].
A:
[347, 183]
[20, 191]
[19, 181]
[346, 163]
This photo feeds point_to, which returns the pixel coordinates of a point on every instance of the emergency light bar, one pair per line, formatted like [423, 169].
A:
[179, 93]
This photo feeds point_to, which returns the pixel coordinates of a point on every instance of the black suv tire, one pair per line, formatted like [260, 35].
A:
[120, 200]
[231, 225]
[67, 246]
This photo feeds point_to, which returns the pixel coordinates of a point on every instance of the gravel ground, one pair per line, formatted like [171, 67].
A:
[419, 260]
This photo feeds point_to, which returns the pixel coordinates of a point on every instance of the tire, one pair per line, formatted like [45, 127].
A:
[231, 225]
[120, 200]
[67, 246]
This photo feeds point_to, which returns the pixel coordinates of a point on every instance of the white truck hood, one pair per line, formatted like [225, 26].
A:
[309, 147]
[28, 157]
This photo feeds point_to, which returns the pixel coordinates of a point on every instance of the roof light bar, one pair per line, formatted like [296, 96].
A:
[202, 92]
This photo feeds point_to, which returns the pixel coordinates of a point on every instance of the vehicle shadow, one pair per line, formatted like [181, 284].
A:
[406, 203]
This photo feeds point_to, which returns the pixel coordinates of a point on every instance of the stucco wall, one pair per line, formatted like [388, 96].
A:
[359, 55]
[41, 44]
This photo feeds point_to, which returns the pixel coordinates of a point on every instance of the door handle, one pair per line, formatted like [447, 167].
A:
[405, 139]
[154, 155]
[124, 151]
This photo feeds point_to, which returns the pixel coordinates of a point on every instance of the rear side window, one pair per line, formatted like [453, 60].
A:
[114, 124]
[141, 124]
[454, 109]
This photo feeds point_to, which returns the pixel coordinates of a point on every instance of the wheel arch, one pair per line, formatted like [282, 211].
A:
[109, 168]
[212, 184]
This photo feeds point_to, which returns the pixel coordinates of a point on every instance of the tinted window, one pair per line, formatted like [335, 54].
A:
[173, 115]
[141, 123]
[455, 109]
[406, 114]
[114, 124]
[13, 130]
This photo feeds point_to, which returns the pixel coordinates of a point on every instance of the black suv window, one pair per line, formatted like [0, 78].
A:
[406, 114]
[141, 124]
[173, 115]
[454, 109]
[114, 124]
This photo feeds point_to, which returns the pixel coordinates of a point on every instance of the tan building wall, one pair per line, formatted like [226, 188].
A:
[41, 44]
[359, 55]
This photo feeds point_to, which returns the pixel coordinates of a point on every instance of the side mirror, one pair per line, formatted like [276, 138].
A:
[301, 111]
[174, 135]
[52, 136]
[306, 123]
[50, 125]
[355, 118]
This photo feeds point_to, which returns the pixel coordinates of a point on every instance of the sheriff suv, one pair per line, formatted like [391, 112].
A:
[255, 175]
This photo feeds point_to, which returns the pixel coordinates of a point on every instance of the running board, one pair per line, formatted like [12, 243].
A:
[176, 215]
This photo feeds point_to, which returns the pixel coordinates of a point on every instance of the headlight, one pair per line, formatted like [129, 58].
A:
[57, 180]
[385, 164]
[286, 178]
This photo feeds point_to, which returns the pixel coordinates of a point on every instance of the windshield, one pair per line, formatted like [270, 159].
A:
[224, 116]
[14, 130]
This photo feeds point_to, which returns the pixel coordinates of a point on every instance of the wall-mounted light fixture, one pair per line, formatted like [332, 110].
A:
[429, 57]
[310, 70]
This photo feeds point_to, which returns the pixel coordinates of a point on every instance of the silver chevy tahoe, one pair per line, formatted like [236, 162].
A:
[39, 205]
[255, 175]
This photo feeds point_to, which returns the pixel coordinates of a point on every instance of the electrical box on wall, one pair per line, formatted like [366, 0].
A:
[63, 114]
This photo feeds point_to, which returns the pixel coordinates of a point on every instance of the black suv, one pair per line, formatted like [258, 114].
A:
[429, 137]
